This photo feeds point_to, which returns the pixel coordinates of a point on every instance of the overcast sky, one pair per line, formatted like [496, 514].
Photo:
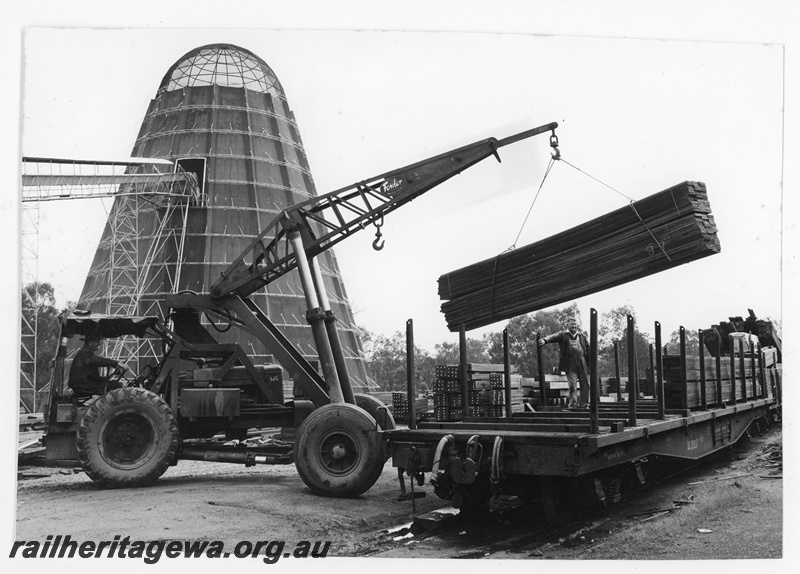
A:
[640, 115]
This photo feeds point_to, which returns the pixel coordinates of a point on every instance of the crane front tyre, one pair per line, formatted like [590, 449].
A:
[338, 452]
[127, 438]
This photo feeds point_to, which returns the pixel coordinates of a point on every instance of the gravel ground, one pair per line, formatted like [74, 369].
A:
[212, 501]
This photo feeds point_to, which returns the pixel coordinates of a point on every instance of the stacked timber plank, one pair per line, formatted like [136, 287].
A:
[516, 393]
[672, 380]
[485, 392]
[385, 397]
[610, 385]
[400, 407]
[447, 399]
[556, 389]
[654, 234]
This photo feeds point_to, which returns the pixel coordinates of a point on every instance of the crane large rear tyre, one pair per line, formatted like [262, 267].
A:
[338, 452]
[127, 438]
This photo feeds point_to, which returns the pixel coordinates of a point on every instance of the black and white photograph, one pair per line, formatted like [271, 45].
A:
[453, 281]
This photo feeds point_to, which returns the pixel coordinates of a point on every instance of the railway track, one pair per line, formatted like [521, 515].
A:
[519, 533]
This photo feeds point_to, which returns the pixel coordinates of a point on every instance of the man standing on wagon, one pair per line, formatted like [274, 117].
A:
[573, 360]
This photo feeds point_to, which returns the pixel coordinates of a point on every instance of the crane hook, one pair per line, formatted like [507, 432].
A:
[554, 145]
[377, 245]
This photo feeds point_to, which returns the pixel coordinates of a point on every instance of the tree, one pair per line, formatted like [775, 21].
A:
[387, 363]
[673, 347]
[39, 317]
[522, 344]
[449, 353]
[613, 326]
[522, 331]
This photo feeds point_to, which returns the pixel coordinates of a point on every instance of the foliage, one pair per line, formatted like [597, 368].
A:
[387, 364]
[613, 327]
[449, 353]
[386, 355]
[673, 347]
[522, 335]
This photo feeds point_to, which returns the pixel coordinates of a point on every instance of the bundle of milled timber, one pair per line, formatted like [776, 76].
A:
[485, 392]
[399, 405]
[672, 379]
[656, 233]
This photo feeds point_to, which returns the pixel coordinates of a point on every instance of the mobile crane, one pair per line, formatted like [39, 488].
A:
[131, 435]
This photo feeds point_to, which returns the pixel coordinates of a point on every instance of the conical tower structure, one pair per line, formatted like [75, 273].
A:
[221, 113]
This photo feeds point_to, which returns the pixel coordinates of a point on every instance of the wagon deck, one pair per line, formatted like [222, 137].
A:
[534, 442]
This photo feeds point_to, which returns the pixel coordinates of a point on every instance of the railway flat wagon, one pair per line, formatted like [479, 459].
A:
[560, 460]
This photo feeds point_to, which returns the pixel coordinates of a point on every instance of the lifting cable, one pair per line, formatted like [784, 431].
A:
[633, 207]
[553, 158]
[546, 173]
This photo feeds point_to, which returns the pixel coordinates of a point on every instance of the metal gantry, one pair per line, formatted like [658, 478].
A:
[151, 186]
[29, 316]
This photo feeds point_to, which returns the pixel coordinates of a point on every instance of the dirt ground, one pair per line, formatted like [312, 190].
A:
[729, 518]
[212, 501]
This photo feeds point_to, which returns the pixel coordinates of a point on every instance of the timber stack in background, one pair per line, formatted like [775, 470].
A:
[397, 403]
[664, 230]
[733, 352]
[736, 349]
[485, 392]
[444, 402]
[763, 329]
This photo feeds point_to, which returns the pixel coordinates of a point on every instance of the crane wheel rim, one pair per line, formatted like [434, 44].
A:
[338, 452]
[128, 439]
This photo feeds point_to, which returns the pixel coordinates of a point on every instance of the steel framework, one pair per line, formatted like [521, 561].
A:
[140, 186]
[29, 316]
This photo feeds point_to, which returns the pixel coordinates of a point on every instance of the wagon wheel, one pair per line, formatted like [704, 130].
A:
[127, 438]
[338, 452]
[557, 502]
[472, 501]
